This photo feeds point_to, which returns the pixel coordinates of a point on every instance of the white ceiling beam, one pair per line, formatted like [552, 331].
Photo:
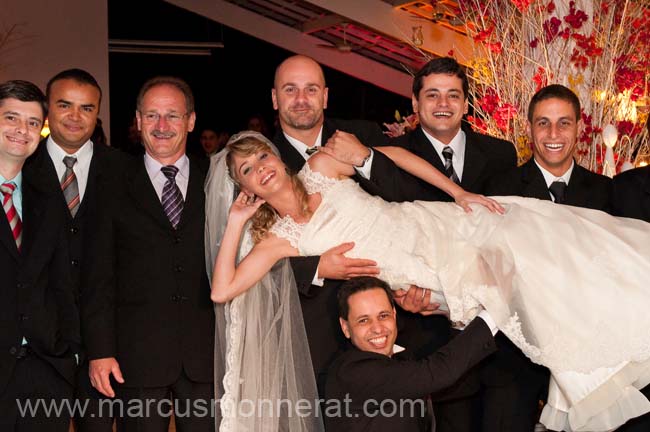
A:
[293, 40]
[399, 24]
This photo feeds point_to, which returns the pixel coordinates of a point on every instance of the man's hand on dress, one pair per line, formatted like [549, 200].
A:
[417, 300]
[100, 371]
[346, 148]
[334, 264]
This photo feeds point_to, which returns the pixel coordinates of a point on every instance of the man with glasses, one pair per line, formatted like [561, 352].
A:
[148, 319]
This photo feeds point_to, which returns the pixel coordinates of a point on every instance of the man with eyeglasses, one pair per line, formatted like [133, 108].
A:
[148, 319]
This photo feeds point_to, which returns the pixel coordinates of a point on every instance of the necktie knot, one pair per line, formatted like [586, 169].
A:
[69, 161]
[8, 188]
[558, 190]
[311, 150]
[448, 153]
[170, 172]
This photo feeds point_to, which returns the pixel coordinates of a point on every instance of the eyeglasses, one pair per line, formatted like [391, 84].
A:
[153, 117]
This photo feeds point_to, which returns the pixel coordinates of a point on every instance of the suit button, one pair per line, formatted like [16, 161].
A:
[177, 239]
[13, 350]
[74, 263]
[23, 317]
[174, 298]
[178, 268]
[74, 230]
[19, 285]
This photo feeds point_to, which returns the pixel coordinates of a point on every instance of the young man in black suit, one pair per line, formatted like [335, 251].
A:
[631, 194]
[73, 98]
[39, 323]
[148, 318]
[512, 384]
[377, 390]
[440, 97]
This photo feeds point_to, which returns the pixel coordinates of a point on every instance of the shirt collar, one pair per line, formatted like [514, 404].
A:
[398, 349]
[18, 180]
[457, 144]
[550, 178]
[83, 154]
[301, 146]
[153, 166]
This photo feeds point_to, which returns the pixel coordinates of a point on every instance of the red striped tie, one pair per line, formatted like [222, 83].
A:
[15, 224]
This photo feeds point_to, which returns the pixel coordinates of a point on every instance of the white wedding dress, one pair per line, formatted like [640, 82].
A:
[567, 285]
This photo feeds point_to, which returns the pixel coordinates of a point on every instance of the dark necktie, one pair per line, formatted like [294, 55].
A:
[172, 198]
[69, 185]
[558, 190]
[7, 189]
[448, 154]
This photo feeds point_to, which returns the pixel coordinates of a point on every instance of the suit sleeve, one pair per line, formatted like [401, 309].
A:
[373, 378]
[304, 271]
[98, 282]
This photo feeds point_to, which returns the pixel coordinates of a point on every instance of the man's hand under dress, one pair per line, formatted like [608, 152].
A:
[334, 264]
[418, 300]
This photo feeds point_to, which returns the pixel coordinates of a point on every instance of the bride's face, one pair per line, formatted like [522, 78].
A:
[261, 173]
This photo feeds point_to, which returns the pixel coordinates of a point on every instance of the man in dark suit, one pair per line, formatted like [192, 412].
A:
[300, 97]
[513, 386]
[73, 98]
[39, 323]
[440, 97]
[147, 319]
[631, 194]
[380, 391]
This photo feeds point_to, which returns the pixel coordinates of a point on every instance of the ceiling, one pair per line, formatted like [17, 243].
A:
[379, 41]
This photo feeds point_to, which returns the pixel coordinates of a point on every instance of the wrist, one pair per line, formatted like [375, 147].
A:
[364, 160]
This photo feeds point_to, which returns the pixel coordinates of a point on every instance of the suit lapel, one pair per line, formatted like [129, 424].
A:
[290, 156]
[474, 163]
[193, 201]
[421, 146]
[7, 237]
[34, 203]
[144, 195]
[577, 190]
[93, 175]
[534, 183]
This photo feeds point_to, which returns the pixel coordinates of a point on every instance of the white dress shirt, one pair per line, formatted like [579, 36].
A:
[158, 179]
[457, 144]
[84, 155]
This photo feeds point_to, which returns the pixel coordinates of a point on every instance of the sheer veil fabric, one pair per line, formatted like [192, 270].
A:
[264, 380]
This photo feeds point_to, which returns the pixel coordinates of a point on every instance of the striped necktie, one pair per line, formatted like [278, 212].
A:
[69, 185]
[172, 198]
[15, 223]
[448, 154]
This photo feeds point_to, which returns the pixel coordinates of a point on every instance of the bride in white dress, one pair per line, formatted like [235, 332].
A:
[565, 284]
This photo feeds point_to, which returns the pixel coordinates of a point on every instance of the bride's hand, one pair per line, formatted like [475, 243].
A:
[464, 199]
[244, 207]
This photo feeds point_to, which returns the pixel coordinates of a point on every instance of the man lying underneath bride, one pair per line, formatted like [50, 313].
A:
[507, 257]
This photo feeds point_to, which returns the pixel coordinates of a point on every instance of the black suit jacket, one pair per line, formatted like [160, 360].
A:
[485, 156]
[585, 189]
[147, 299]
[36, 301]
[631, 194]
[106, 163]
[361, 376]
[319, 304]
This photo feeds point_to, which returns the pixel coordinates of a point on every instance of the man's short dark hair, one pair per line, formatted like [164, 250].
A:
[78, 75]
[359, 284]
[24, 91]
[178, 83]
[554, 91]
[442, 65]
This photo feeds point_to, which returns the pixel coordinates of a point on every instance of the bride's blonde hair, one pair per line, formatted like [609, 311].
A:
[266, 215]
